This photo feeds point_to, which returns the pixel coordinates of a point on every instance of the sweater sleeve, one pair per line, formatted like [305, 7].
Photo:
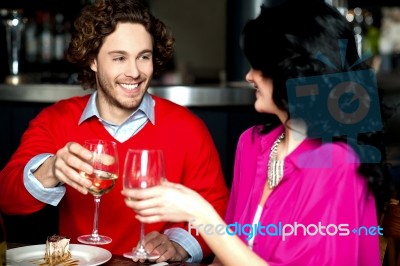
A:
[37, 139]
[44, 135]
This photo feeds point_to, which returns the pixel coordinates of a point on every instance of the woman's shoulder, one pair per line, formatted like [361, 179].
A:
[340, 151]
[258, 132]
[314, 154]
[327, 165]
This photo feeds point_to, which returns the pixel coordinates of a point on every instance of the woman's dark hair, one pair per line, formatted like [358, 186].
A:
[314, 42]
[100, 19]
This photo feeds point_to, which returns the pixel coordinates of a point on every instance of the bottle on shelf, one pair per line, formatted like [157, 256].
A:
[31, 41]
[46, 39]
[59, 37]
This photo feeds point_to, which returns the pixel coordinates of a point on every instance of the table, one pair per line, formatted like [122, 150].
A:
[118, 260]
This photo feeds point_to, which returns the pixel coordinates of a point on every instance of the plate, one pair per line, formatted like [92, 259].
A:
[31, 255]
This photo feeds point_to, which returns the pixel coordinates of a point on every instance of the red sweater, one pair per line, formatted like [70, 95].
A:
[190, 157]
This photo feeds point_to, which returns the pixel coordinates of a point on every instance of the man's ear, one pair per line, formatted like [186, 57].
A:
[93, 65]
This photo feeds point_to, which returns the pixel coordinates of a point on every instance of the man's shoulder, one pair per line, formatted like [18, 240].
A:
[75, 100]
[71, 104]
[65, 109]
[165, 103]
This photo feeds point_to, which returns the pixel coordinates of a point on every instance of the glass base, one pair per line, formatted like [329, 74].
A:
[140, 254]
[95, 240]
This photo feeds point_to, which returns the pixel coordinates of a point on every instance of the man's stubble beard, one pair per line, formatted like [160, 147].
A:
[106, 90]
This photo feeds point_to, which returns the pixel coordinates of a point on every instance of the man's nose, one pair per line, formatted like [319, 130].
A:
[132, 70]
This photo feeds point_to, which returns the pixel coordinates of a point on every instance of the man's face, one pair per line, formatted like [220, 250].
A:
[124, 68]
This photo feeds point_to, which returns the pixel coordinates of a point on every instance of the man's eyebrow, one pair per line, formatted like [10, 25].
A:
[125, 53]
[146, 51]
[118, 52]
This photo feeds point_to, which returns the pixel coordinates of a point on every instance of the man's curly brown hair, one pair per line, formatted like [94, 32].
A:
[99, 20]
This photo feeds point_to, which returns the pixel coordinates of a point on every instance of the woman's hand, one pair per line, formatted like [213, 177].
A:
[167, 202]
[176, 203]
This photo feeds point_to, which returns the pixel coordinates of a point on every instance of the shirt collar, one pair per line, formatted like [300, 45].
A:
[146, 106]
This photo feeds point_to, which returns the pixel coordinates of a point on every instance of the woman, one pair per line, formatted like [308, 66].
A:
[301, 182]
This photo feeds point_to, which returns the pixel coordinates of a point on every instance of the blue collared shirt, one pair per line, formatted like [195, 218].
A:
[135, 122]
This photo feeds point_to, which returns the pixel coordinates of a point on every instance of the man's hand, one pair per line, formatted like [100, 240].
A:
[168, 250]
[65, 166]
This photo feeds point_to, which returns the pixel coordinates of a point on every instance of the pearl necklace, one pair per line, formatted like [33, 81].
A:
[275, 166]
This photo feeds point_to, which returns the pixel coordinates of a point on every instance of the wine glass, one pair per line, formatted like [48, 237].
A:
[104, 176]
[143, 168]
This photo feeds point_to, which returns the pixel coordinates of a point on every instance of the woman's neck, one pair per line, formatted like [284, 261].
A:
[295, 133]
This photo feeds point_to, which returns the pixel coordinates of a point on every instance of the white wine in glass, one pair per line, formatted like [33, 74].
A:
[143, 169]
[104, 177]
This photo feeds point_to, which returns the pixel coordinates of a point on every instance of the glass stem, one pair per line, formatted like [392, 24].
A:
[141, 245]
[95, 232]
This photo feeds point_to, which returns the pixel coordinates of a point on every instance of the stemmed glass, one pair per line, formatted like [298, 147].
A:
[104, 177]
[143, 169]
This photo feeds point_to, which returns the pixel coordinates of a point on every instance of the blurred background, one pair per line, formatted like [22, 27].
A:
[207, 32]
[208, 63]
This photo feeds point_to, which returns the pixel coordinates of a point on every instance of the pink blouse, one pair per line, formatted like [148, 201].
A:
[321, 213]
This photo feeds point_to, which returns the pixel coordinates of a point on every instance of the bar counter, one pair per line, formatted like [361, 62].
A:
[189, 96]
[231, 94]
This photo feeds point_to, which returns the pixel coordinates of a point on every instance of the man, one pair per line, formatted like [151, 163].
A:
[118, 44]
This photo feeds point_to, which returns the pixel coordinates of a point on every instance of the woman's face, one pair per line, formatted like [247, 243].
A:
[264, 89]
